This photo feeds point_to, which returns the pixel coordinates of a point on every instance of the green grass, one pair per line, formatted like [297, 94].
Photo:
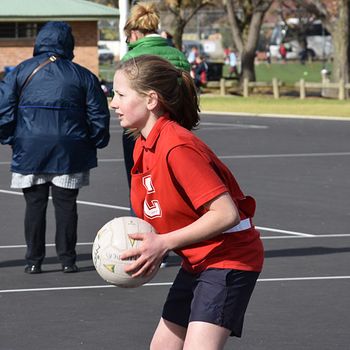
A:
[291, 72]
[268, 105]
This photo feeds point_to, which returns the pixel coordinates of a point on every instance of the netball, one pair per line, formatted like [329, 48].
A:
[110, 242]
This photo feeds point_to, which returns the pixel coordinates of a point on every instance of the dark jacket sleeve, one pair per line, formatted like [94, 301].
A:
[8, 107]
[97, 113]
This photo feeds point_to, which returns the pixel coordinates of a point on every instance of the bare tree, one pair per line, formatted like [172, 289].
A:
[335, 17]
[296, 9]
[245, 18]
[183, 11]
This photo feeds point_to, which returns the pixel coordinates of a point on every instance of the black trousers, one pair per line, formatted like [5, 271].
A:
[128, 147]
[64, 201]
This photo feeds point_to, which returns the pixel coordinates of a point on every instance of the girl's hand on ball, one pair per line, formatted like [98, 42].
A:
[148, 256]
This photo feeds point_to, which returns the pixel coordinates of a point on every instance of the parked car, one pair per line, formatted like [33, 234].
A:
[318, 41]
[105, 55]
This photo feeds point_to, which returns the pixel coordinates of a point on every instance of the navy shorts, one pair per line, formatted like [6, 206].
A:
[217, 296]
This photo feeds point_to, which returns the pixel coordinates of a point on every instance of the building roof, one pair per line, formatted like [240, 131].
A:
[49, 10]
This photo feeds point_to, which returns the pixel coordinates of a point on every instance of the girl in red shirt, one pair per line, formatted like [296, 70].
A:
[194, 203]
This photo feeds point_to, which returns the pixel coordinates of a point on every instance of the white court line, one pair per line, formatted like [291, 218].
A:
[275, 115]
[12, 192]
[263, 238]
[309, 236]
[250, 156]
[233, 126]
[286, 155]
[288, 279]
[46, 245]
[108, 160]
[284, 231]
[269, 229]
[94, 204]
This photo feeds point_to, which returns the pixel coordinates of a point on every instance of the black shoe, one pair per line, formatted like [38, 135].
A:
[70, 268]
[164, 262]
[32, 269]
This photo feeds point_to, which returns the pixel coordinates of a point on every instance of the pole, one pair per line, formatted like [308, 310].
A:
[323, 47]
[123, 17]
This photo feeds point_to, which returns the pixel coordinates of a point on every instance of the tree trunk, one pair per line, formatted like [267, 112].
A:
[247, 66]
[179, 27]
[249, 51]
[336, 18]
[338, 25]
[246, 35]
[340, 35]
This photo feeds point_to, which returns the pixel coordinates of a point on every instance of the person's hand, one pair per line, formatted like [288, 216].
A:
[148, 255]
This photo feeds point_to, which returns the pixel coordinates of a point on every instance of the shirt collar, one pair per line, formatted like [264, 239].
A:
[155, 132]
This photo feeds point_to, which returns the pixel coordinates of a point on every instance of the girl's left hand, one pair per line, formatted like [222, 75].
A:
[148, 256]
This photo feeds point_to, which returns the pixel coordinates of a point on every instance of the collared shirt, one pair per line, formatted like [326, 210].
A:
[175, 174]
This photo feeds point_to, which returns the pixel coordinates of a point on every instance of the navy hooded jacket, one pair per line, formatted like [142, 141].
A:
[62, 115]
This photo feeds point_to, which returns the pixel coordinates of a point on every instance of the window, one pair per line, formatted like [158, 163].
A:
[7, 30]
[19, 30]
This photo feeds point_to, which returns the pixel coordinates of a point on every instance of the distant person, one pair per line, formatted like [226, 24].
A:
[233, 64]
[54, 115]
[268, 53]
[283, 52]
[193, 54]
[195, 205]
[306, 53]
[200, 68]
[226, 55]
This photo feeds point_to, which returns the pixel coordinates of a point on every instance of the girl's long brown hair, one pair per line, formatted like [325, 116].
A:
[175, 88]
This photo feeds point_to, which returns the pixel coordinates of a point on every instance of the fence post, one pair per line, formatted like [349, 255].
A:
[276, 93]
[325, 81]
[341, 94]
[245, 87]
[302, 89]
[222, 87]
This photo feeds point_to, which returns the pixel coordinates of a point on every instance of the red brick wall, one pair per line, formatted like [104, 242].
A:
[13, 52]
[86, 37]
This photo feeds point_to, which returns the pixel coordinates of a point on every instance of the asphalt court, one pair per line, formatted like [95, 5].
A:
[298, 171]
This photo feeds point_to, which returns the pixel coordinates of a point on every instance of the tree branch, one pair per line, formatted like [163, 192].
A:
[236, 31]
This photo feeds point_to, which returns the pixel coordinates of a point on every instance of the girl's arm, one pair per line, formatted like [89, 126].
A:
[221, 214]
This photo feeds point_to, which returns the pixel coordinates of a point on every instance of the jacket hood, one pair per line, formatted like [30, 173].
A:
[55, 38]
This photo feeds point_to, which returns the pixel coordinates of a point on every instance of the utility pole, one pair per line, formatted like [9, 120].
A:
[123, 17]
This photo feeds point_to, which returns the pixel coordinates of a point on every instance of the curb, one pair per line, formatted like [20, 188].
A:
[290, 116]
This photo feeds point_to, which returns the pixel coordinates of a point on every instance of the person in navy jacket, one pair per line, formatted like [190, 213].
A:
[54, 121]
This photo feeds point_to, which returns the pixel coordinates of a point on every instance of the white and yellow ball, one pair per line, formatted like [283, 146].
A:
[110, 242]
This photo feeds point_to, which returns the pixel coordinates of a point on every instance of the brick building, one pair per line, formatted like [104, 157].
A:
[20, 21]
